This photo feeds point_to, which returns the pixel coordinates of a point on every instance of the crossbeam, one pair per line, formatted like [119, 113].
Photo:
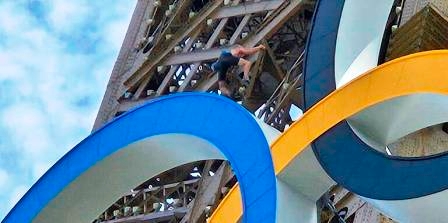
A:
[164, 215]
[212, 12]
[247, 8]
[212, 54]
[149, 65]
[264, 33]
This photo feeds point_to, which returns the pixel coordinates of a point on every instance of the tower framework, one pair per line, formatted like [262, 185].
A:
[168, 48]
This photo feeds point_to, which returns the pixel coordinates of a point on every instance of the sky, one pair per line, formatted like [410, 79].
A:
[56, 57]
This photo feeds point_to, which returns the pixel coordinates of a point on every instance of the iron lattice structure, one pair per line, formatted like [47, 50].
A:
[168, 48]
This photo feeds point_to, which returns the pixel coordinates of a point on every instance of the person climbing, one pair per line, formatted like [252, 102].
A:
[231, 58]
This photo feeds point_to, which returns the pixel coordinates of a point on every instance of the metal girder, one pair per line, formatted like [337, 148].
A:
[275, 23]
[144, 198]
[208, 192]
[181, 7]
[255, 72]
[222, 13]
[141, 87]
[213, 38]
[150, 64]
[166, 81]
[204, 84]
[160, 216]
[209, 44]
[247, 8]
[278, 69]
[239, 29]
[150, 13]
[126, 105]
[111, 94]
[173, 69]
[192, 57]
[283, 102]
[207, 85]
[264, 33]
[296, 98]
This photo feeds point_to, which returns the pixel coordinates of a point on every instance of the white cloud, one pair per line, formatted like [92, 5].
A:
[67, 16]
[55, 65]
[10, 23]
[114, 38]
[4, 179]
[24, 122]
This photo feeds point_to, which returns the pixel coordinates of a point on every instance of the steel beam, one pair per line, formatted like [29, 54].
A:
[159, 216]
[265, 33]
[247, 8]
[208, 193]
[141, 87]
[126, 105]
[255, 71]
[192, 57]
[275, 24]
[181, 7]
[209, 84]
[166, 81]
[209, 44]
[150, 64]
[111, 94]
[239, 29]
[278, 70]
[213, 38]
[283, 101]
[222, 13]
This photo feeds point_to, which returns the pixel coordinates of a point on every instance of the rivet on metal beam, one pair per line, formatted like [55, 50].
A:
[209, 22]
[159, 68]
[191, 14]
[167, 12]
[177, 49]
[143, 41]
[150, 92]
[172, 89]
[207, 210]
[398, 10]
[117, 213]
[394, 28]
[157, 206]
[127, 210]
[137, 210]
[127, 94]
[198, 45]
[222, 42]
[149, 21]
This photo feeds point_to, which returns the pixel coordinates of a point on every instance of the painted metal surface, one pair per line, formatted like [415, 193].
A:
[363, 170]
[196, 120]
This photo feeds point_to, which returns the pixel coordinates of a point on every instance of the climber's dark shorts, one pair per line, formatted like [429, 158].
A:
[224, 62]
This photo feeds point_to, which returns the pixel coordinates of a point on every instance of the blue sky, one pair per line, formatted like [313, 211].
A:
[55, 60]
